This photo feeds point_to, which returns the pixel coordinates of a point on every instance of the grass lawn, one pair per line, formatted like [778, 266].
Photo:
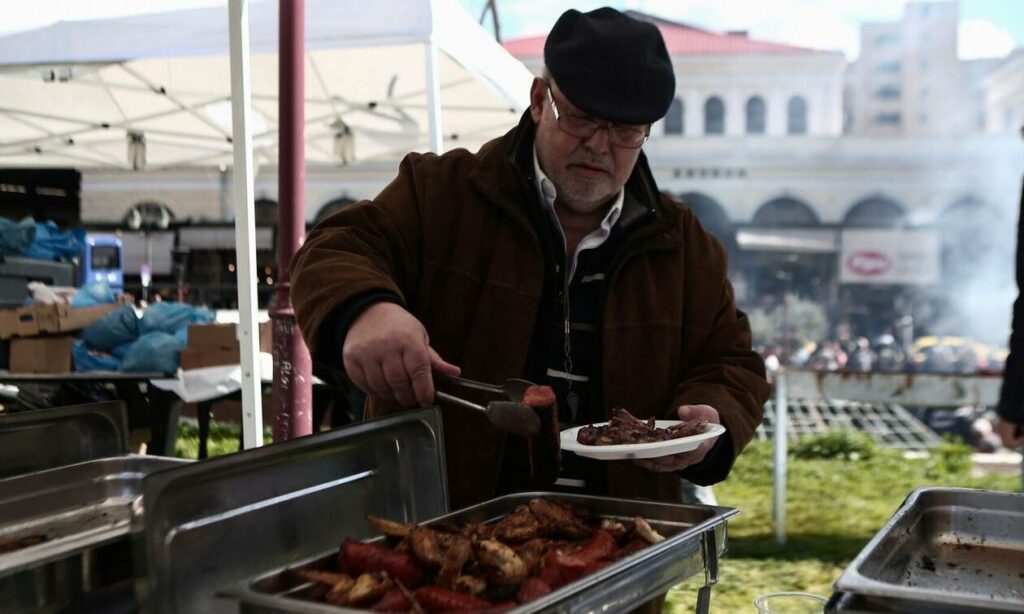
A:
[842, 489]
[835, 506]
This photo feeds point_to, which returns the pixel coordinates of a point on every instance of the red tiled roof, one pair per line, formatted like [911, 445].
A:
[680, 39]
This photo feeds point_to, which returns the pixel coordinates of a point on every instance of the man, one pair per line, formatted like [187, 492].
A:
[549, 255]
[1010, 426]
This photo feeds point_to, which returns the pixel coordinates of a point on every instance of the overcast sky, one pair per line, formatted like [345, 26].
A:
[988, 28]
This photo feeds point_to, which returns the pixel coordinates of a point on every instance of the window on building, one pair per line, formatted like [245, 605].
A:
[888, 119]
[876, 212]
[755, 115]
[888, 92]
[888, 67]
[924, 65]
[714, 116]
[674, 118]
[883, 40]
[796, 113]
[922, 118]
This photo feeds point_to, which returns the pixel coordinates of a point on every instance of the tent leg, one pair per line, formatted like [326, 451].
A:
[780, 453]
[434, 100]
[245, 223]
[293, 382]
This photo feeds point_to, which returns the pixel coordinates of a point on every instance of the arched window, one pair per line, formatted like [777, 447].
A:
[755, 115]
[712, 217]
[796, 112]
[331, 208]
[674, 121]
[266, 212]
[714, 116]
[875, 212]
[785, 212]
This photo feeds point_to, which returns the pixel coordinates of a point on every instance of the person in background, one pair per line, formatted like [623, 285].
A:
[1010, 423]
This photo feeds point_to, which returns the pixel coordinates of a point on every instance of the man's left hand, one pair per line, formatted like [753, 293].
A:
[677, 462]
[1011, 434]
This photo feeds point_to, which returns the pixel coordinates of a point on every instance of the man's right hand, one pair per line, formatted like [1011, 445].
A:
[387, 354]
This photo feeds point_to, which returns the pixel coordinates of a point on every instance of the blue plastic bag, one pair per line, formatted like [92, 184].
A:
[93, 294]
[153, 352]
[122, 350]
[15, 237]
[170, 317]
[87, 360]
[116, 328]
[52, 244]
[182, 335]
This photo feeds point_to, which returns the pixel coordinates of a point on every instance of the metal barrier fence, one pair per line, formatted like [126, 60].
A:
[890, 389]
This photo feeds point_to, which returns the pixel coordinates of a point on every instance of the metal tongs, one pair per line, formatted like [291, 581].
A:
[509, 415]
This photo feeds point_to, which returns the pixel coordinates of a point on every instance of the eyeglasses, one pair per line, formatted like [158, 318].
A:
[584, 128]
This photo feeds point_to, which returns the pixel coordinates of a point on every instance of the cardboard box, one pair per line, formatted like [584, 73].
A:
[36, 319]
[41, 354]
[199, 358]
[213, 336]
[71, 319]
[267, 336]
[214, 345]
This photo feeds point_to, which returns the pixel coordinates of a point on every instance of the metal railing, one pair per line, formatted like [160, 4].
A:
[895, 389]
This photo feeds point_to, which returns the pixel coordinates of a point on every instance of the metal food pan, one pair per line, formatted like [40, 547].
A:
[43, 439]
[696, 537]
[77, 509]
[214, 523]
[945, 549]
[848, 603]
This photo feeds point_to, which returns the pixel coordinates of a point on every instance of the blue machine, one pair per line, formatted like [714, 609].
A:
[103, 260]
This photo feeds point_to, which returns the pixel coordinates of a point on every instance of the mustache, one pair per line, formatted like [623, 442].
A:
[591, 161]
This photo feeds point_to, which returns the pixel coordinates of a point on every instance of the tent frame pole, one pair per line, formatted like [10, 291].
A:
[245, 223]
[436, 139]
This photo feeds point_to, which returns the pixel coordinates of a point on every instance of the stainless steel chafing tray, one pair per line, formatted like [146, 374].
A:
[46, 438]
[76, 509]
[945, 550]
[696, 538]
[212, 524]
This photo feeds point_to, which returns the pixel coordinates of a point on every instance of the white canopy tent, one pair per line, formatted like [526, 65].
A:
[154, 90]
[163, 90]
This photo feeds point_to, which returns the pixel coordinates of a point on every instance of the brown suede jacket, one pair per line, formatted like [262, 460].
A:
[451, 236]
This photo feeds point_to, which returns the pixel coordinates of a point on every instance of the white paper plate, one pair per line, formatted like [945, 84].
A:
[639, 450]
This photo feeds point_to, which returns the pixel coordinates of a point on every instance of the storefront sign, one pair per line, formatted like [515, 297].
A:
[909, 257]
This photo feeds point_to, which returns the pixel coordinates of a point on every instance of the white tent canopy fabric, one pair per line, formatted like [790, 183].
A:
[154, 91]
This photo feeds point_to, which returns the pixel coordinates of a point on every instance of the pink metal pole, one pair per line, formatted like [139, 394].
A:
[293, 391]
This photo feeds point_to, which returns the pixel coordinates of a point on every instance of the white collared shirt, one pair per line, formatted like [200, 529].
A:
[595, 239]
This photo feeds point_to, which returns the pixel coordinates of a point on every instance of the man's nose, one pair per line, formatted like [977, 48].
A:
[600, 141]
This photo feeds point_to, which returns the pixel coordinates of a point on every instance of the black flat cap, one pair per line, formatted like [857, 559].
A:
[611, 66]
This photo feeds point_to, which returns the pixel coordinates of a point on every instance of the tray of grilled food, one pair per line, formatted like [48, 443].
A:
[527, 552]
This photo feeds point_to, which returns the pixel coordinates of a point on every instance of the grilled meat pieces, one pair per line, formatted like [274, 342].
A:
[477, 567]
[625, 428]
[519, 526]
[559, 519]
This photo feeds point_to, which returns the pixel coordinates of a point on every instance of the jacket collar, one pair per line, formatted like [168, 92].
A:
[504, 173]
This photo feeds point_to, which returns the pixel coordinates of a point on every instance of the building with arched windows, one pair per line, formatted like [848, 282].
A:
[801, 163]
